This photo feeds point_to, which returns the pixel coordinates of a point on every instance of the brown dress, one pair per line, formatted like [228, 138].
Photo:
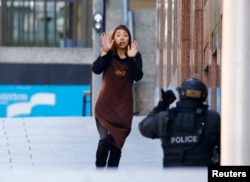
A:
[114, 106]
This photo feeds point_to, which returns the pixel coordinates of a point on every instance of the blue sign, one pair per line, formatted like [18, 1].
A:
[44, 100]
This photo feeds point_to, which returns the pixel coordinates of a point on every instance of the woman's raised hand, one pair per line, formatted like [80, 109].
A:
[133, 49]
[106, 42]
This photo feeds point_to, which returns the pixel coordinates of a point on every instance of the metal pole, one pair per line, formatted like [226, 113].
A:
[125, 12]
[3, 22]
[235, 85]
[98, 6]
[45, 14]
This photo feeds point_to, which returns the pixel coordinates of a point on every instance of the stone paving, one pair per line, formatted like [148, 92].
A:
[63, 148]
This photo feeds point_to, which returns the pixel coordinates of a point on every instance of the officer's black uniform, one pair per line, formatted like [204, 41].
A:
[189, 132]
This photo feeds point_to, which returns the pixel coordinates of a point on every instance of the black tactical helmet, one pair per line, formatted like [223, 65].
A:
[193, 88]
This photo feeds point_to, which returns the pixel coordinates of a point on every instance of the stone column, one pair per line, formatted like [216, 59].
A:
[235, 87]
[98, 6]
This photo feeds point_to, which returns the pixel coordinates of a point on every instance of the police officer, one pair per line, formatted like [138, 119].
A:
[189, 132]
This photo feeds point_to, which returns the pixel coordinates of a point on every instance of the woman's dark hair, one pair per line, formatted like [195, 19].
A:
[123, 27]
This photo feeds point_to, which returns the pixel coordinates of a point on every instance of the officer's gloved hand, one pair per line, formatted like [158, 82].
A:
[168, 98]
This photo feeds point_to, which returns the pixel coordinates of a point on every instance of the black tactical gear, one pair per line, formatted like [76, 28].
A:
[193, 88]
[167, 98]
[185, 141]
[189, 133]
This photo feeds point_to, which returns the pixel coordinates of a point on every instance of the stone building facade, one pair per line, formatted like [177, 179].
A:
[177, 39]
[144, 22]
[189, 44]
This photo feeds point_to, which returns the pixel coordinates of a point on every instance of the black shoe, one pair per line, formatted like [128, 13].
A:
[103, 151]
[114, 156]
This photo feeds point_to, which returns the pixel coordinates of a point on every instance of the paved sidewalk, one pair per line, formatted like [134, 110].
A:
[66, 146]
[67, 142]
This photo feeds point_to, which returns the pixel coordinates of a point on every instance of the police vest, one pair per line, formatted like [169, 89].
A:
[184, 128]
[181, 136]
